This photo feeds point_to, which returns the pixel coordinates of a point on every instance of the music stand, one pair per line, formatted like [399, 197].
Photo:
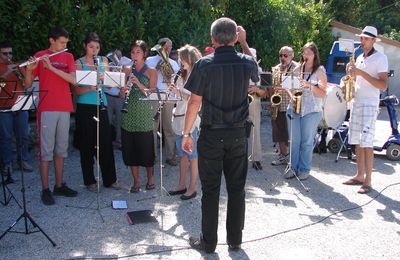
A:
[9, 180]
[92, 78]
[25, 103]
[291, 81]
[162, 98]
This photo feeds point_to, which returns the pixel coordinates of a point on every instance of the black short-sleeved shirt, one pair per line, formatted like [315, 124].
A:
[222, 79]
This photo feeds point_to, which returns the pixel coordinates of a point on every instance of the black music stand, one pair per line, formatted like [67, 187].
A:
[162, 98]
[7, 194]
[80, 79]
[25, 103]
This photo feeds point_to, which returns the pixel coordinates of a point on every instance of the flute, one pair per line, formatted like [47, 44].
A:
[26, 63]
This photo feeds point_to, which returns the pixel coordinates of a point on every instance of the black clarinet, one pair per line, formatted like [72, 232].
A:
[124, 108]
[102, 106]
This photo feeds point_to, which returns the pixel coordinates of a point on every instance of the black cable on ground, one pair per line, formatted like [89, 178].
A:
[248, 241]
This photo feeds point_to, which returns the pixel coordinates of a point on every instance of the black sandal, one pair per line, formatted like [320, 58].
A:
[150, 186]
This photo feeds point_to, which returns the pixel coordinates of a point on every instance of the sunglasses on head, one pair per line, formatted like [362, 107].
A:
[284, 55]
[7, 53]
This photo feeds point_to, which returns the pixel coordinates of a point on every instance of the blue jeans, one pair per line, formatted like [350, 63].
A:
[304, 130]
[9, 126]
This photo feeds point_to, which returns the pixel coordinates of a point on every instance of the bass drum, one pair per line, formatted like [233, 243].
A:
[334, 107]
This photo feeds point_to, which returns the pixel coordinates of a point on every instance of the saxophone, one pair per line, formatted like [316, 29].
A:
[298, 93]
[347, 82]
[276, 98]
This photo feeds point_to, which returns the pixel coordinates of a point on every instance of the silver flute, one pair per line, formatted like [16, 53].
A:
[28, 62]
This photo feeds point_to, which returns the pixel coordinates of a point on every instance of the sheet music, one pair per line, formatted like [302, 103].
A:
[346, 45]
[86, 77]
[287, 82]
[24, 103]
[114, 79]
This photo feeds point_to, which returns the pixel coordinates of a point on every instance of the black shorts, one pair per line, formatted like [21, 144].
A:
[280, 128]
[138, 148]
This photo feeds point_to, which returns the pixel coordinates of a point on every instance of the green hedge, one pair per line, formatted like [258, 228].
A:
[269, 23]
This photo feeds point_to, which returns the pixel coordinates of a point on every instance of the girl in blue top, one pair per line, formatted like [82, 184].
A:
[89, 101]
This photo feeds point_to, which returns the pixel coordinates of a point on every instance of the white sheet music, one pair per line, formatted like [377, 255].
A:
[86, 77]
[114, 79]
[287, 82]
[23, 103]
[346, 45]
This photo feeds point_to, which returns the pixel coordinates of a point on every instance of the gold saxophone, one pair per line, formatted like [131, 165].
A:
[276, 98]
[297, 94]
[166, 68]
[347, 82]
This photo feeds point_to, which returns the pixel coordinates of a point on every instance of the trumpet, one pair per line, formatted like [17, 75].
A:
[276, 98]
[124, 108]
[347, 82]
[26, 63]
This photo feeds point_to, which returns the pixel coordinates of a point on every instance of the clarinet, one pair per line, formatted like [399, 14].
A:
[102, 107]
[127, 93]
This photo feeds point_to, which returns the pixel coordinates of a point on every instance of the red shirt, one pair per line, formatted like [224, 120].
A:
[7, 94]
[55, 93]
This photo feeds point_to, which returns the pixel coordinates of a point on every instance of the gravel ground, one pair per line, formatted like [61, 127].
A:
[283, 221]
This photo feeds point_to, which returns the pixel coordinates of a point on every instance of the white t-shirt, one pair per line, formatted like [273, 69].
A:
[365, 92]
[152, 63]
[181, 106]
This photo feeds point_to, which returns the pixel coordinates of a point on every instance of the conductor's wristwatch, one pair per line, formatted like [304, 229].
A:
[186, 134]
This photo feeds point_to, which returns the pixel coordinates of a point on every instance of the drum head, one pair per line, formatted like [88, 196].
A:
[334, 107]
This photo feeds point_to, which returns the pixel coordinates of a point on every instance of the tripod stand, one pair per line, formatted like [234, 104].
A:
[96, 111]
[289, 170]
[24, 103]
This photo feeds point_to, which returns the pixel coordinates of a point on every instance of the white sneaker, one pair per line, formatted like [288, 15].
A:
[281, 160]
[289, 174]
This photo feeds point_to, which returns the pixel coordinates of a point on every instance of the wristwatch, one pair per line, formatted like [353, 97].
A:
[186, 134]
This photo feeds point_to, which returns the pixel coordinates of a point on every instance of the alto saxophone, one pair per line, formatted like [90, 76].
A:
[298, 93]
[276, 98]
[347, 82]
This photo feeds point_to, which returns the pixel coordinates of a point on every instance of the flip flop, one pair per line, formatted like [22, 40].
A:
[353, 182]
[150, 186]
[134, 189]
[364, 189]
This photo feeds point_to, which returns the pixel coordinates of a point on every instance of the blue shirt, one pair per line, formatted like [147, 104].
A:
[91, 97]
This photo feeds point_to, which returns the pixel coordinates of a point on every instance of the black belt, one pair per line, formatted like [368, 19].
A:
[222, 126]
[179, 115]
[117, 96]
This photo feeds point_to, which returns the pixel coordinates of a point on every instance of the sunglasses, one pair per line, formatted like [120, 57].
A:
[7, 53]
[283, 55]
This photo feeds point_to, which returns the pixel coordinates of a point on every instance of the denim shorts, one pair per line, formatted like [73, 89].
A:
[178, 142]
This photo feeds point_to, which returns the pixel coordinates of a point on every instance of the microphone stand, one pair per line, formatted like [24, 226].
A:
[25, 215]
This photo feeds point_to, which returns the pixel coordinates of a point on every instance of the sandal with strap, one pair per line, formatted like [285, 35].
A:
[150, 186]
[134, 189]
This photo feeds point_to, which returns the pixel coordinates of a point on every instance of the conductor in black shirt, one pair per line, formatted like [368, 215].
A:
[219, 84]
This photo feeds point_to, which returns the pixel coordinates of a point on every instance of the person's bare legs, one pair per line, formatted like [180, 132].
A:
[59, 169]
[369, 163]
[149, 171]
[135, 175]
[283, 148]
[360, 155]
[194, 172]
[183, 167]
[44, 174]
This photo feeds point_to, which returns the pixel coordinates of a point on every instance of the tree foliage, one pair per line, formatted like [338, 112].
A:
[270, 24]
